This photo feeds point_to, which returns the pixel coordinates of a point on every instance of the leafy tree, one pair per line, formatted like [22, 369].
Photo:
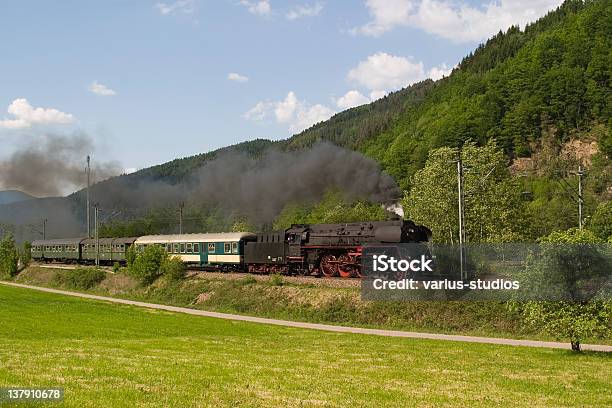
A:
[154, 262]
[569, 266]
[333, 208]
[242, 225]
[601, 221]
[9, 257]
[492, 199]
[173, 268]
[25, 254]
[147, 266]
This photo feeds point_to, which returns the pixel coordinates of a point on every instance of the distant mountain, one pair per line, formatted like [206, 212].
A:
[13, 196]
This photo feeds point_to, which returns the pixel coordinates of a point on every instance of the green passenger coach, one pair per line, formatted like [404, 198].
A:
[64, 250]
[222, 250]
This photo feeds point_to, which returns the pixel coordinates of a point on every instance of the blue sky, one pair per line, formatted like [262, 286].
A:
[150, 81]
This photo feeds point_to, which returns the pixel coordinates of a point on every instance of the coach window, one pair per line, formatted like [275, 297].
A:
[182, 248]
[227, 248]
[189, 248]
[176, 248]
[196, 248]
[211, 248]
[234, 247]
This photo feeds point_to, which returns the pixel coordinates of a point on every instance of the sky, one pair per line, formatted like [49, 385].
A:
[151, 81]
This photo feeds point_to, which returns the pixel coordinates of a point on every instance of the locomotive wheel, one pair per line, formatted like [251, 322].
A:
[329, 266]
[346, 269]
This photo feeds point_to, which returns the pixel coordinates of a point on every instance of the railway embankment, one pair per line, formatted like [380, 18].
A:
[331, 301]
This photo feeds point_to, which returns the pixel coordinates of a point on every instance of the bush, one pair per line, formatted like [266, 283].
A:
[601, 221]
[276, 280]
[147, 265]
[116, 267]
[81, 278]
[130, 255]
[9, 258]
[568, 271]
[26, 254]
[173, 268]
[249, 280]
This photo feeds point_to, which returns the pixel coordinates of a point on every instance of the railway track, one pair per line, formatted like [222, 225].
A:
[197, 273]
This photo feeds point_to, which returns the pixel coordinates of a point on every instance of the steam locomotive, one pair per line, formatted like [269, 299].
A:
[304, 249]
[325, 249]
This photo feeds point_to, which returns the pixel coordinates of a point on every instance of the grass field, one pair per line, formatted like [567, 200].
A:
[114, 355]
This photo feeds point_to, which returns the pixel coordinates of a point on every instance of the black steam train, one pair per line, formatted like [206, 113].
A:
[315, 249]
[325, 249]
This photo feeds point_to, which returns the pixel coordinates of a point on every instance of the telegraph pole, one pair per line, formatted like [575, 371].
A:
[97, 234]
[461, 213]
[44, 231]
[580, 198]
[88, 171]
[181, 205]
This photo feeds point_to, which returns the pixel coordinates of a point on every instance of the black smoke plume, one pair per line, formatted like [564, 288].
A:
[257, 188]
[260, 188]
[52, 166]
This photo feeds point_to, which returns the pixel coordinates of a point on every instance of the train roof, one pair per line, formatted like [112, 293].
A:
[125, 240]
[59, 241]
[218, 237]
[92, 241]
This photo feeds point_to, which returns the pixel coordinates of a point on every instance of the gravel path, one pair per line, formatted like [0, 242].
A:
[325, 327]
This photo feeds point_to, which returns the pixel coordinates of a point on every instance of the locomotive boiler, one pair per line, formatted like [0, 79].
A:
[325, 249]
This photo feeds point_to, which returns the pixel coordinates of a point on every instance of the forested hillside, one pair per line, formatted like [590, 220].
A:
[520, 84]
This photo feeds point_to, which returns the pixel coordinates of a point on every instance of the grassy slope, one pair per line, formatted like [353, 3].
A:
[322, 303]
[110, 355]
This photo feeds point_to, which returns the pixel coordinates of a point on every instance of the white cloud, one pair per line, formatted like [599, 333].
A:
[258, 112]
[26, 115]
[439, 72]
[377, 94]
[233, 76]
[297, 115]
[258, 7]
[304, 11]
[100, 89]
[351, 99]
[383, 71]
[452, 19]
[180, 6]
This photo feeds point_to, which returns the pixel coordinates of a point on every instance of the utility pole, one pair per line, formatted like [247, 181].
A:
[181, 205]
[461, 213]
[88, 171]
[580, 198]
[44, 231]
[97, 234]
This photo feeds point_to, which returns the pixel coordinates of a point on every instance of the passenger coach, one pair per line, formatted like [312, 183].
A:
[223, 250]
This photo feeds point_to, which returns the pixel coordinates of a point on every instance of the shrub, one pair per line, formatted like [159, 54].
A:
[82, 278]
[116, 267]
[249, 280]
[567, 271]
[173, 268]
[26, 254]
[9, 258]
[130, 255]
[276, 280]
[147, 265]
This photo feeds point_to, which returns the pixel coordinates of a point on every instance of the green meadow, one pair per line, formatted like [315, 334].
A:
[113, 355]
